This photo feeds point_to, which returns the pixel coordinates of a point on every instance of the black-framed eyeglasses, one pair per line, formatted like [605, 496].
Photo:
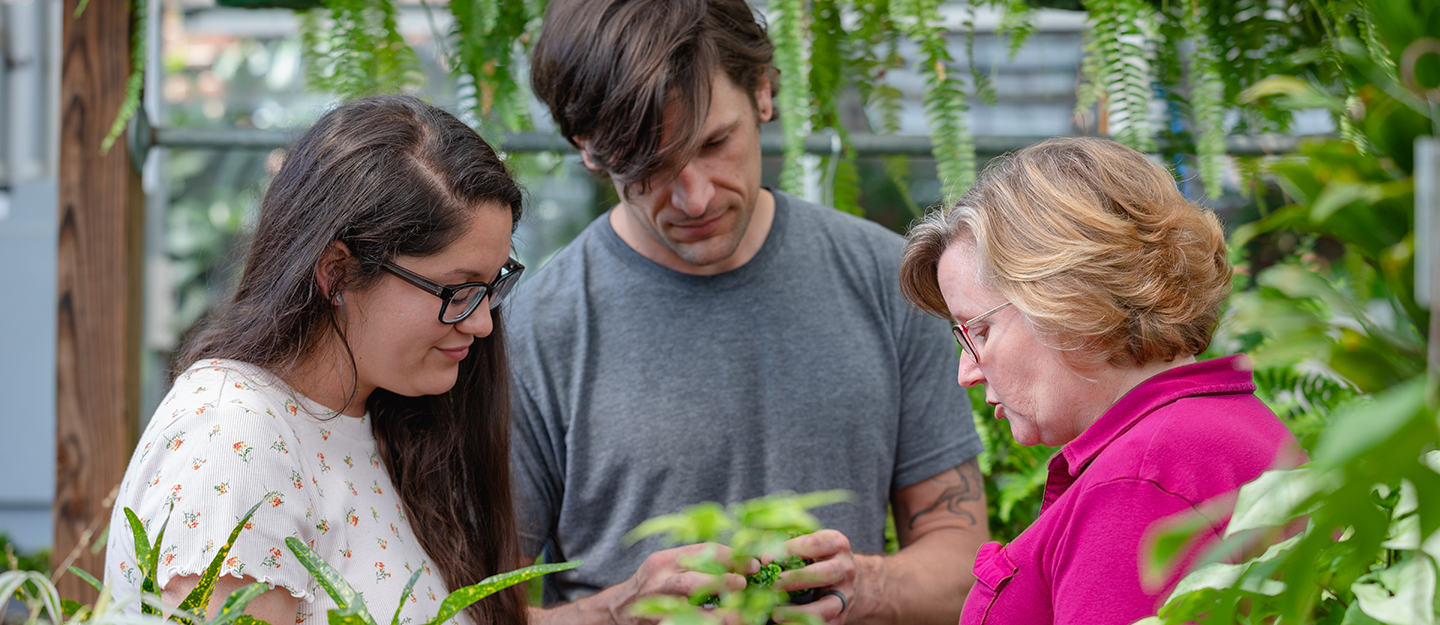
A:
[962, 331]
[457, 301]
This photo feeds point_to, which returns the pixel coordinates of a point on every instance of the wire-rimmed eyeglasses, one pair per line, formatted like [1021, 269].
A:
[962, 331]
[457, 301]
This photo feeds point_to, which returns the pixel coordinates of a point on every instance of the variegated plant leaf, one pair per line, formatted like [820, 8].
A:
[464, 597]
[409, 586]
[234, 607]
[199, 597]
[352, 609]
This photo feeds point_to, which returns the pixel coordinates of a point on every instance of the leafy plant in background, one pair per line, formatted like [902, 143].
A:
[754, 529]
[1369, 501]
[38, 591]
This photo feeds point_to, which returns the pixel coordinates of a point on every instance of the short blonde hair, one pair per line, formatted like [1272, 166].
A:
[1093, 243]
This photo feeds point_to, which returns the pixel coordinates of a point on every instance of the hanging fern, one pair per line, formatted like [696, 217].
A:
[1017, 21]
[1121, 35]
[944, 99]
[791, 37]
[984, 89]
[492, 36]
[828, 63]
[353, 49]
[135, 84]
[1207, 107]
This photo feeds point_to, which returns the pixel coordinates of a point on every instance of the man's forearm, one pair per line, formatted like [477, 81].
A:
[606, 607]
[926, 582]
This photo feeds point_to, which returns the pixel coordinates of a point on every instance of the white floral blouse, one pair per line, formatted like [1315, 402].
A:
[229, 435]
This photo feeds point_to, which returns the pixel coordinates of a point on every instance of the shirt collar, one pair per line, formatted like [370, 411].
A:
[1221, 376]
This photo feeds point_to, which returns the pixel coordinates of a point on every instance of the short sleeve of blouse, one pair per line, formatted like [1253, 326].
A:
[221, 449]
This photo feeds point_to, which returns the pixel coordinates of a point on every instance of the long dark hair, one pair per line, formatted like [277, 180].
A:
[390, 176]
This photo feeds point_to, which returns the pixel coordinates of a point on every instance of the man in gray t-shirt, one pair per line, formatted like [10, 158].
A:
[709, 339]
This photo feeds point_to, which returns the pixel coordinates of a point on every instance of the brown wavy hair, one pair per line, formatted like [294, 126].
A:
[608, 70]
[1093, 243]
[390, 176]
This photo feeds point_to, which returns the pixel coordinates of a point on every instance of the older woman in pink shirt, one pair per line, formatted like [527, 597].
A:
[1083, 286]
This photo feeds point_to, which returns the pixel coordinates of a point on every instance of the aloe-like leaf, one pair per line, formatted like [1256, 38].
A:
[409, 587]
[235, 604]
[151, 564]
[89, 579]
[199, 596]
[142, 542]
[465, 597]
[352, 607]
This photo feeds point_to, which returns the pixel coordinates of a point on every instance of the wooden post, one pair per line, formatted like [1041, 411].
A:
[99, 287]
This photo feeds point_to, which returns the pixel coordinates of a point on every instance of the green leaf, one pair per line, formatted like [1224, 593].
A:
[1359, 428]
[464, 597]
[352, 610]
[1403, 594]
[1271, 499]
[702, 522]
[246, 619]
[405, 594]
[89, 579]
[234, 607]
[70, 608]
[142, 542]
[199, 597]
[1338, 195]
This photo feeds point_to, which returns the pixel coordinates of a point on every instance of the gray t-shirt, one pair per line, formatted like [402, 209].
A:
[640, 390]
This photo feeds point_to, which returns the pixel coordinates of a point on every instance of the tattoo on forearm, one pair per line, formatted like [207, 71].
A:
[965, 485]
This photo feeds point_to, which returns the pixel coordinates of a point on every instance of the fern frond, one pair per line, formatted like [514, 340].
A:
[1091, 90]
[354, 49]
[1017, 21]
[1207, 91]
[491, 36]
[135, 84]
[828, 62]
[944, 100]
[791, 51]
[984, 88]
[1123, 35]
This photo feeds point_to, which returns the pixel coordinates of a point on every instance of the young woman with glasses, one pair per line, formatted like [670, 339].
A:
[1083, 286]
[356, 383]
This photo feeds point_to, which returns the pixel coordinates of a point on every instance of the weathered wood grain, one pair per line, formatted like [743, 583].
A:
[99, 285]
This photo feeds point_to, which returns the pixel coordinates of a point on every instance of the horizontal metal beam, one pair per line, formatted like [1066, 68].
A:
[865, 144]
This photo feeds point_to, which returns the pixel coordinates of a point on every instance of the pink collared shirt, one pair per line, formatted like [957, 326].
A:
[1188, 436]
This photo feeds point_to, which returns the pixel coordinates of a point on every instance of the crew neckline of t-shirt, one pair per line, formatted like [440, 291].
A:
[311, 411]
[734, 278]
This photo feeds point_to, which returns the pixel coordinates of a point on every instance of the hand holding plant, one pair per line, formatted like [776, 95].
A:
[752, 537]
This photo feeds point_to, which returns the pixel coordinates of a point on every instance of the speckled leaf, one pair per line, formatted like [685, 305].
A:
[352, 608]
[142, 542]
[151, 563]
[355, 614]
[464, 597]
[234, 607]
[409, 586]
[246, 619]
[199, 596]
[89, 579]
